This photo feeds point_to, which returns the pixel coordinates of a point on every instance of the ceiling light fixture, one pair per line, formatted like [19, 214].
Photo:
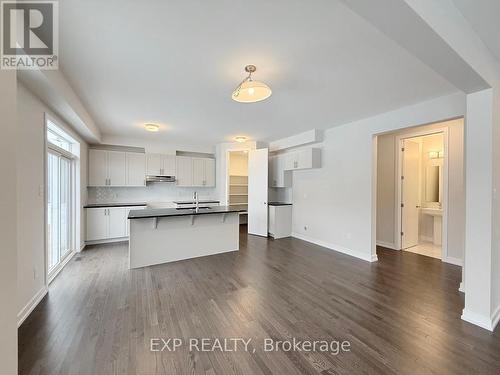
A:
[250, 91]
[240, 139]
[152, 127]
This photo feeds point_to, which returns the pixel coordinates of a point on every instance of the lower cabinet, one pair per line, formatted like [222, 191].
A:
[107, 223]
[280, 221]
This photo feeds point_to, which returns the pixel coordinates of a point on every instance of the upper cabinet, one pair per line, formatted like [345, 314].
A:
[136, 169]
[121, 168]
[161, 165]
[303, 159]
[278, 177]
[184, 175]
[194, 171]
[116, 168]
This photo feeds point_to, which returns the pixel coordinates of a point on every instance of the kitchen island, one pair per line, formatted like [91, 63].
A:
[161, 235]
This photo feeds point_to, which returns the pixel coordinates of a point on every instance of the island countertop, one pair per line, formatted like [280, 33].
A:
[170, 212]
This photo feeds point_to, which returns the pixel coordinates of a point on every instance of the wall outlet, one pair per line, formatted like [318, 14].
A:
[40, 191]
[348, 235]
[35, 274]
[305, 227]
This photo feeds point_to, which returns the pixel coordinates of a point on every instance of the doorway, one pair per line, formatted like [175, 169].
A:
[59, 198]
[247, 187]
[421, 193]
[62, 198]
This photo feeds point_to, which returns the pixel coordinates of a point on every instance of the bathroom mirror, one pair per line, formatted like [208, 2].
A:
[432, 184]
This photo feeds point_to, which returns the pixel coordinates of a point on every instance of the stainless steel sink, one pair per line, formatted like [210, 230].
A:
[192, 208]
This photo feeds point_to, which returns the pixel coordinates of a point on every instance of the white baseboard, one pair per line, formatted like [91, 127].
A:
[455, 261]
[495, 318]
[30, 306]
[338, 248]
[486, 322]
[112, 240]
[461, 288]
[82, 246]
[426, 239]
[387, 245]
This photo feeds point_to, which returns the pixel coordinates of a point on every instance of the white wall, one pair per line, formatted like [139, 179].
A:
[238, 164]
[8, 224]
[30, 203]
[387, 188]
[335, 202]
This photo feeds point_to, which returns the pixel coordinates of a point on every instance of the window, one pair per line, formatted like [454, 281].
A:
[62, 154]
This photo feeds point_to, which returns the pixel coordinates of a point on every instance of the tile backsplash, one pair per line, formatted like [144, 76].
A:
[158, 192]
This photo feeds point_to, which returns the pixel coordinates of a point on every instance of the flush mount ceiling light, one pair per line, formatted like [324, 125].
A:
[152, 127]
[250, 91]
[240, 139]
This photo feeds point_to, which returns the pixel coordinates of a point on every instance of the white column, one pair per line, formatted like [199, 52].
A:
[479, 188]
[8, 220]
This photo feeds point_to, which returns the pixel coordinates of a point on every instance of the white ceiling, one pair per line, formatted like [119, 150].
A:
[177, 62]
[483, 16]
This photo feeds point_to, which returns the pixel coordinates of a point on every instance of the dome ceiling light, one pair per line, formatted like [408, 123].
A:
[250, 91]
[152, 127]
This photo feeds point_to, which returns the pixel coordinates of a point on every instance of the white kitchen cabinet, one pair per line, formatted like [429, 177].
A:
[117, 222]
[161, 165]
[97, 224]
[111, 168]
[198, 171]
[169, 165]
[306, 158]
[153, 164]
[98, 167]
[136, 169]
[193, 171]
[209, 172]
[278, 177]
[280, 221]
[184, 175]
[117, 168]
[107, 223]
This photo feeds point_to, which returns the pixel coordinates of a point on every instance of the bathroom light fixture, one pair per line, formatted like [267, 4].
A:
[152, 127]
[250, 91]
[240, 139]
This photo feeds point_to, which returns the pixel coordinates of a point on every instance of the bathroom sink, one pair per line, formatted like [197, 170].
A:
[432, 211]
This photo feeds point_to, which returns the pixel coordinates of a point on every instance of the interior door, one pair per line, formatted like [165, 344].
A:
[257, 191]
[409, 194]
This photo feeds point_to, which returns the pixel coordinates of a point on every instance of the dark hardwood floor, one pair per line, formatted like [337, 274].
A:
[401, 315]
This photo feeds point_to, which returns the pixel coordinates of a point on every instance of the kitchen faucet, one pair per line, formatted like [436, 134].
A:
[196, 201]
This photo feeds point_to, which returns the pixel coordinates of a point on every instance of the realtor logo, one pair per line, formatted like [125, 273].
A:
[29, 37]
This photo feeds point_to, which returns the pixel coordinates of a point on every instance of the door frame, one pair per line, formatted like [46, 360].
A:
[75, 222]
[399, 171]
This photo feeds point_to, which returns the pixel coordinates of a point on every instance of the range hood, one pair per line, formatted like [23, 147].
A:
[151, 179]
